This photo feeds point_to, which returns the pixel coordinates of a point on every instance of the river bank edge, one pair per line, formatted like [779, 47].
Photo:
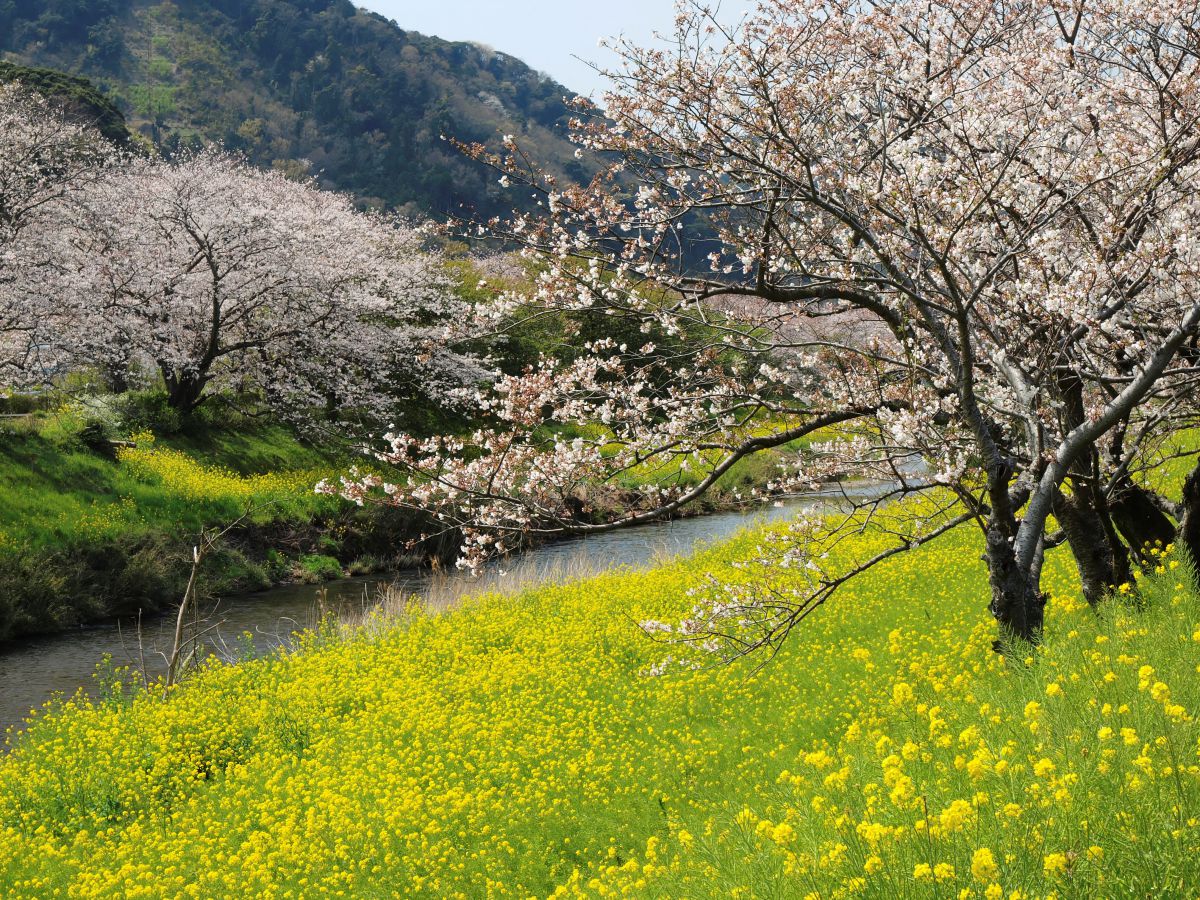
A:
[82, 584]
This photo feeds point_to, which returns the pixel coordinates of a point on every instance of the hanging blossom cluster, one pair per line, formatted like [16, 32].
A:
[532, 469]
[958, 237]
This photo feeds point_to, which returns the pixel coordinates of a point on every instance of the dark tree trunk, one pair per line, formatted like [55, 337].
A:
[184, 391]
[1140, 520]
[1099, 554]
[1189, 517]
[1084, 514]
[1018, 604]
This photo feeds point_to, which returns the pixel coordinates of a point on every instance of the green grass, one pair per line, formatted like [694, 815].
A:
[86, 533]
[315, 568]
[54, 489]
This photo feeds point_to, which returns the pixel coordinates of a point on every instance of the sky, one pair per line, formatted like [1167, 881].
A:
[546, 34]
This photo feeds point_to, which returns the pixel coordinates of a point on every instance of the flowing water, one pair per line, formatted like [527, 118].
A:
[34, 670]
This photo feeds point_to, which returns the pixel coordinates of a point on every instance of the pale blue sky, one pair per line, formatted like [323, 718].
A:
[545, 34]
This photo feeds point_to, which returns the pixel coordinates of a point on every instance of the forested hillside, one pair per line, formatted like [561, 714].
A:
[304, 85]
[77, 97]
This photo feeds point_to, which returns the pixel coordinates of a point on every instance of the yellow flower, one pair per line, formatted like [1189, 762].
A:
[983, 865]
[957, 814]
[922, 871]
[783, 833]
[746, 817]
[943, 871]
[1054, 864]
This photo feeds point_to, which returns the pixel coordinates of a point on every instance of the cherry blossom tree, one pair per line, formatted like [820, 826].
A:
[45, 161]
[222, 277]
[954, 240]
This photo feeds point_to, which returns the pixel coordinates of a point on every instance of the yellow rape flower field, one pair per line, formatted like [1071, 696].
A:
[514, 748]
[194, 482]
[54, 491]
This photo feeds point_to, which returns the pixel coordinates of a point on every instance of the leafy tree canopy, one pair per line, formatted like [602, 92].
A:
[78, 97]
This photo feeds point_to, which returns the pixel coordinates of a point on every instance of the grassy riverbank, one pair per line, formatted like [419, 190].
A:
[88, 529]
[514, 747]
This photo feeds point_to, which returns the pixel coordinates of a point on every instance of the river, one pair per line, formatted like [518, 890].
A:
[35, 669]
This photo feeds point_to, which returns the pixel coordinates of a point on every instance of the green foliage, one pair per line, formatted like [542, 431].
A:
[537, 332]
[329, 89]
[152, 101]
[78, 97]
[148, 411]
[21, 404]
[366, 565]
[49, 588]
[276, 565]
[315, 568]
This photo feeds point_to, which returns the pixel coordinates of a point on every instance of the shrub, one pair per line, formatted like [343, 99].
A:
[315, 568]
[148, 410]
[366, 565]
[21, 404]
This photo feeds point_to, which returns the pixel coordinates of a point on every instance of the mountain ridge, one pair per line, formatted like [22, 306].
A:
[307, 86]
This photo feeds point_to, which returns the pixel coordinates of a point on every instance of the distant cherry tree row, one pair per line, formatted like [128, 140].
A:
[208, 275]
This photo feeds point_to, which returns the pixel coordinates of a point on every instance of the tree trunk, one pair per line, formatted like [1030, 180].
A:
[1189, 519]
[1084, 514]
[1100, 556]
[184, 391]
[1018, 604]
[1139, 519]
